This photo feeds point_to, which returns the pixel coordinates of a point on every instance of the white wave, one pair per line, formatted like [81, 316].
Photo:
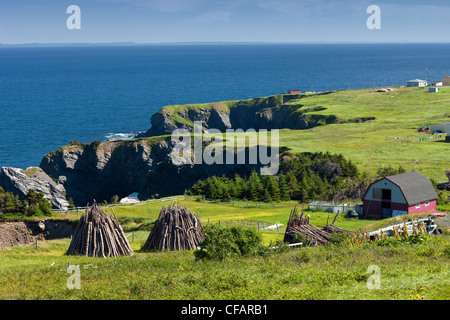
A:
[120, 136]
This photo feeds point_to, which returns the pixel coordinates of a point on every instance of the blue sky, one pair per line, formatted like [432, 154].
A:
[156, 21]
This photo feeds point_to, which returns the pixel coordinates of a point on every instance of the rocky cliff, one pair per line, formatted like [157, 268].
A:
[274, 112]
[102, 170]
[20, 181]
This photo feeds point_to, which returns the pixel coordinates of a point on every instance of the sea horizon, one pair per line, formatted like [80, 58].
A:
[131, 43]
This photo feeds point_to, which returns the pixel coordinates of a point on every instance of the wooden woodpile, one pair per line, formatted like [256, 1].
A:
[300, 225]
[177, 228]
[99, 234]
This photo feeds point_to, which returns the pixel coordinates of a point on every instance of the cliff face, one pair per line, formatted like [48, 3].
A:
[102, 170]
[259, 113]
[20, 181]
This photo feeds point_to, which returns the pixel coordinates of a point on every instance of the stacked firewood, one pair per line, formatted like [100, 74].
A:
[177, 228]
[300, 225]
[99, 234]
[331, 228]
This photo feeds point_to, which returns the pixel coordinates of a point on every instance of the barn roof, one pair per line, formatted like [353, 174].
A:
[415, 187]
[417, 80]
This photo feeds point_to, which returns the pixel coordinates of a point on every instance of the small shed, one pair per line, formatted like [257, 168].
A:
[440, 127]
[401, 194]
[417, 83]
[433, 89]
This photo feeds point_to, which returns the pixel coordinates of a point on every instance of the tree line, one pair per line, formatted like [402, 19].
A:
[33, 204]
[302, 177]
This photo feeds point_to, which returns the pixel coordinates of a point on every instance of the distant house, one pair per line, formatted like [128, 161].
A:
[441, 127]
[446, 81]
[417, 83]
[399, 195]
[294, 91]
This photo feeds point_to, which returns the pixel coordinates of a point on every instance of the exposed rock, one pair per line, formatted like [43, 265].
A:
[99, 172]
[386, 90]
[24, 232]
[20, 181]
[259, 113]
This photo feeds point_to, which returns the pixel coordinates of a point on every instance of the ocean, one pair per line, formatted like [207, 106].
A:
[52, 95]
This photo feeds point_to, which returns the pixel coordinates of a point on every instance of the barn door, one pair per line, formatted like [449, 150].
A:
[386, 210]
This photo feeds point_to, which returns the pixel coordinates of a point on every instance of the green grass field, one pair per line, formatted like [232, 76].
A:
[327, 272]
[397, 114]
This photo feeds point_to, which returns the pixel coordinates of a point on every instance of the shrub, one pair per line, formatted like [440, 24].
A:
[222, 242]
[340, 238]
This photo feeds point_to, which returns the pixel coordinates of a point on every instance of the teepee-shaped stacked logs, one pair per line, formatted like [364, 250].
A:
[177, 228]
[99, 234]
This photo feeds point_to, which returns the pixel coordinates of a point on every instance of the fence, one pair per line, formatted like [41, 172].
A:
[335, 208]
[248, 204]
[78, 209]
[234, 203]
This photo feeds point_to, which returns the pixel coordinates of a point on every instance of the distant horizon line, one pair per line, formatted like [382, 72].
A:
[128, 43]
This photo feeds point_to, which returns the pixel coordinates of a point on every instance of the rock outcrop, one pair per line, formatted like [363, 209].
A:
[259, 113]
[20, 181]
[100, 171]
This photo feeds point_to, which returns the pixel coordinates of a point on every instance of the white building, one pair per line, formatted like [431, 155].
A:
[417, 83]
[442, 127]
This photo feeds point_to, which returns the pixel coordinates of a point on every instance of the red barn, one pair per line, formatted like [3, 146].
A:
[400, 194]
[293, 91]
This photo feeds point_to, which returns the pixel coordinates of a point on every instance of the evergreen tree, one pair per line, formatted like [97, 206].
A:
[285, 193]
[273, 189]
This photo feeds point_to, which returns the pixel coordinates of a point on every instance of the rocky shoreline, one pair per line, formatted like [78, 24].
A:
[117, 168]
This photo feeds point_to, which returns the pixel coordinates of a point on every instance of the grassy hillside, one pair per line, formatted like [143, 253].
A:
[344, 126]
[327, 272]
[372, 144]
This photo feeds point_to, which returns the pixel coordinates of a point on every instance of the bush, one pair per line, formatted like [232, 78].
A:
[340, 238]
[33, 204]
[222, 242]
